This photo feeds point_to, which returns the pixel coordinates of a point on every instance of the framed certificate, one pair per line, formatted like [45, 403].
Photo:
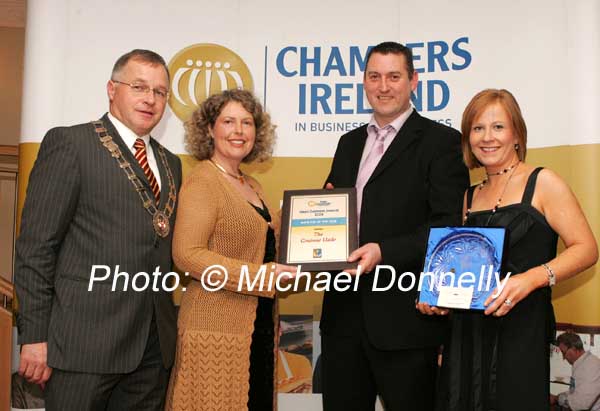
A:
[318, 229]
[463, 266]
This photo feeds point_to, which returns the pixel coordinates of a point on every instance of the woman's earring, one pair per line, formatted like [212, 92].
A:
[517, 146]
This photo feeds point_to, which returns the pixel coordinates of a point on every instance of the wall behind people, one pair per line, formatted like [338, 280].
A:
[305, 62]
[12, 42]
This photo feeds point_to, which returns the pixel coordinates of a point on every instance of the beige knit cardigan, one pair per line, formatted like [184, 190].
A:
[215, 225]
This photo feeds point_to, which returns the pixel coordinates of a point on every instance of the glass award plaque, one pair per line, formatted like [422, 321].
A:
[463, 266]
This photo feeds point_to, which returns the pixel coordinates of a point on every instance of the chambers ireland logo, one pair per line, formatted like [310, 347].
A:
[202, 70]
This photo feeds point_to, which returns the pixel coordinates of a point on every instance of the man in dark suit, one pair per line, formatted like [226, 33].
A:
[101, 193]
[409, 175]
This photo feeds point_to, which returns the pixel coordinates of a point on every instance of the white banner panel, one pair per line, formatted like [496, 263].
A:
[306, 60]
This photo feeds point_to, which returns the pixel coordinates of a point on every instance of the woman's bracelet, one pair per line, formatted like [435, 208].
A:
[551, 275]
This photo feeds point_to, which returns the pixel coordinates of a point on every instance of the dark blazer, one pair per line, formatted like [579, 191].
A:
[81, 210]
[419, 182]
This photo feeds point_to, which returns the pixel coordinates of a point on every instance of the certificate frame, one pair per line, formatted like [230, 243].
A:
[336, 224]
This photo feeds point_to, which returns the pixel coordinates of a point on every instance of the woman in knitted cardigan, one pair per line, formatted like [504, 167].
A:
[226, 341]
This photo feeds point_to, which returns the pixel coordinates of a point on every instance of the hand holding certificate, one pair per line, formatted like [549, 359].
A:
[319, 229]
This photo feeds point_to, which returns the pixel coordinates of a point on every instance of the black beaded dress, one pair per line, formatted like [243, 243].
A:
[260, 396]
[503, 363]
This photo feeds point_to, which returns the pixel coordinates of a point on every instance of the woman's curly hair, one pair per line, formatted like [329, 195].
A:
[198, 140]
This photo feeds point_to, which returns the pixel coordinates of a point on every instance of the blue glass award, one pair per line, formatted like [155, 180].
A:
[462, 266]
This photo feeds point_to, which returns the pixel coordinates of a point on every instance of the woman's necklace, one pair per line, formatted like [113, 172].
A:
[240, 177]
[510, 169]
[499, 173]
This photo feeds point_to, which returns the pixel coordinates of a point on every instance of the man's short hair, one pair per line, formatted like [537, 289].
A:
[146, 56]
[391, 47]
[570, 340]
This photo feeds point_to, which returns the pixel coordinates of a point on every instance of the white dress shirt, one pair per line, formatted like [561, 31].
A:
[129, 138]
[584, 393]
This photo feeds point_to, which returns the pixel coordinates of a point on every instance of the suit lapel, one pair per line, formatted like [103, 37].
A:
[127, 154]
[355, 154]
[407, 134]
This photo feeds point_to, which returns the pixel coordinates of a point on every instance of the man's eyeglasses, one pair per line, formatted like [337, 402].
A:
[139, 88]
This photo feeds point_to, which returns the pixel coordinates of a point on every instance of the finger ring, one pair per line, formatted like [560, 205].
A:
[508, 302]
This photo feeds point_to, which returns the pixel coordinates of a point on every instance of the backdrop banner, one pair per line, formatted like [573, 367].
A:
[305, 62]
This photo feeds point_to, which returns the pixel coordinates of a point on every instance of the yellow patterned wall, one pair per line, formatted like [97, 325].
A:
[575, 301]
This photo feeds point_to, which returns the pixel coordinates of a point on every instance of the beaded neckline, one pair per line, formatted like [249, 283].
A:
[499, 173]
[510, 169]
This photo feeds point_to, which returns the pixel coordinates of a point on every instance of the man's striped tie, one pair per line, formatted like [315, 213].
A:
[142, 158]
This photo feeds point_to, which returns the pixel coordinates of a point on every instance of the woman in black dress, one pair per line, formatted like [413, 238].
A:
[499, 359]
